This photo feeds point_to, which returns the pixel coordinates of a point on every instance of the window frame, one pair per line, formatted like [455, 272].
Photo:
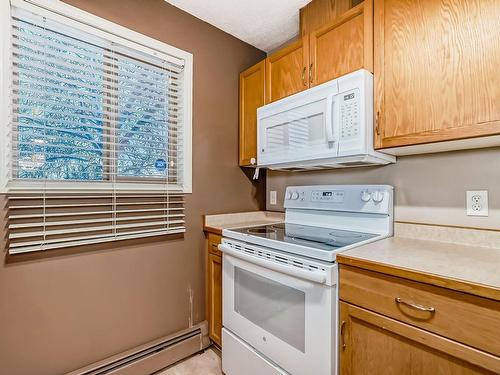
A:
[89, 23]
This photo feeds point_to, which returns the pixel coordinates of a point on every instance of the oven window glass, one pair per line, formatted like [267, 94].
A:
[275, 307]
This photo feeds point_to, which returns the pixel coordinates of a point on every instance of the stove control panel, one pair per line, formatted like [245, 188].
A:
[352, 198]
[336, 196]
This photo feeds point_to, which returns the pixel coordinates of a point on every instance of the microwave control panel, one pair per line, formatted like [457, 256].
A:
[349, 114]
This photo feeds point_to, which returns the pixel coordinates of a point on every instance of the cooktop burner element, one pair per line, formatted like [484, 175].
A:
[327, 239]
[261, 230]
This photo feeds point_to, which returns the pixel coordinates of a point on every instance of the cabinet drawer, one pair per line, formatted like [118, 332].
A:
[371, 343]
[472, 320]
[213, 242]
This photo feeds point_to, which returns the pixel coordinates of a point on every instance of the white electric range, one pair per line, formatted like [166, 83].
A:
[280, 301]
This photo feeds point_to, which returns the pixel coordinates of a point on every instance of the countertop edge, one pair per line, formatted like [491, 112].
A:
[464, 286]
[213, 230]
[242, 219]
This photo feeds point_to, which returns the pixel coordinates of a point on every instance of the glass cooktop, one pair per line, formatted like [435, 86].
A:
[308, 236]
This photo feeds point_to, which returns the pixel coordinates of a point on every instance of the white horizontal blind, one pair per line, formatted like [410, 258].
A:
[52, 220]
[104, 118]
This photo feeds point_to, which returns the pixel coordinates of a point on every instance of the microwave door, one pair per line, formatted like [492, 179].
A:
[295, 134]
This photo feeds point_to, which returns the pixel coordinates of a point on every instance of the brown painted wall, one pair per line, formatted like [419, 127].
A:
[62, 309]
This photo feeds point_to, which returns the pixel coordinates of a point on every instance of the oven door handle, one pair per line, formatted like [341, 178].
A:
[315, 276]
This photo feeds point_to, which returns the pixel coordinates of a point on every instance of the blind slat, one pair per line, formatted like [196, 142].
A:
[105, 129]
[61, 243]
[92, 213]
[91, 221]
[49, 232]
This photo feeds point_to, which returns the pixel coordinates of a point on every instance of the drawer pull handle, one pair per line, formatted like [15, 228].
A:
[415, 306]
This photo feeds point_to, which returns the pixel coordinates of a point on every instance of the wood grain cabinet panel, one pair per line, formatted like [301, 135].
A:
[286, 71]
[252, 96]
[436, 70]
[213, 244]
[371, 343]
[318, 13]
[213, 282]
[465, 318]
[343, 46]
[214, 272]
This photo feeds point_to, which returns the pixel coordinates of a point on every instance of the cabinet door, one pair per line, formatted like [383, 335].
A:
[343, 46]
[286, 71]
[318, 13]
[373, 344]
[252, 96]
[214, 276]
[436, 70]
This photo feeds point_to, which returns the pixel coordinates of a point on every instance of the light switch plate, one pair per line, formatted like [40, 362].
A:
[477, 203]
[273, 197]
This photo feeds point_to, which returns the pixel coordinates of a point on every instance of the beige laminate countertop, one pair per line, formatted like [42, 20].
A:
[470, 269]
[217, 223]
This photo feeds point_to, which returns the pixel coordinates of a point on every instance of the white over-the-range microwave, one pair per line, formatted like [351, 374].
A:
[327, 126]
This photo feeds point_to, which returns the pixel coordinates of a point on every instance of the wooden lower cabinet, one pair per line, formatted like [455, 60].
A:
[391, 325]
[465, 318]
[215, 297]
[374, 344]
[213, 300]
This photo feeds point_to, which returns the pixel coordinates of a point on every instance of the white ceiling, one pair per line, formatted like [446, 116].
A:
[265, 24]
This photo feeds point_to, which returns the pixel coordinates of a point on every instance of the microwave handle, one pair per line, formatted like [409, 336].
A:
[314, 276]
[330, 120]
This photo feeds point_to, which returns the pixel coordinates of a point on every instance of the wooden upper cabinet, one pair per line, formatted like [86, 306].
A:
[286, 70]
[318, 13]
[436, 70]
[343, 46]
[252, 96]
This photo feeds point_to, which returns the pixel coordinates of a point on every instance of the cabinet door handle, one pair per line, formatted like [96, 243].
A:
[304, 76]
[311, 73]
[415, 306]
[377, 120]
[342, 326]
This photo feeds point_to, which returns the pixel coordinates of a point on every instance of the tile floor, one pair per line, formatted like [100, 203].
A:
[206, 363]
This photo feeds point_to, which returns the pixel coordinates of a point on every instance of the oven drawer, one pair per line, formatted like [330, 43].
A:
[469, 319]
[239, 358]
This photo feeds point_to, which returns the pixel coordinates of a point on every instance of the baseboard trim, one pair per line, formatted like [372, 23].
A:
[152, 356]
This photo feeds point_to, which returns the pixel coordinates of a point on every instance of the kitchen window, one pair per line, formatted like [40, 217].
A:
[98, 142]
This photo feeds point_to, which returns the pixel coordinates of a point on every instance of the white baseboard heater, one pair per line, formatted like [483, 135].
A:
[153, 356]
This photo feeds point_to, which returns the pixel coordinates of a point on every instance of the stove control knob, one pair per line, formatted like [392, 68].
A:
[295, 195]
[378, 196]
[366, 196]
[289, 196]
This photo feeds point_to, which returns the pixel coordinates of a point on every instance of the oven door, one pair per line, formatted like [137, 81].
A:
[286, 318]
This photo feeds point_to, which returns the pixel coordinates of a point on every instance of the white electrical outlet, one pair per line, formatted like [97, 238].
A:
[477, 203]
[273, 197]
